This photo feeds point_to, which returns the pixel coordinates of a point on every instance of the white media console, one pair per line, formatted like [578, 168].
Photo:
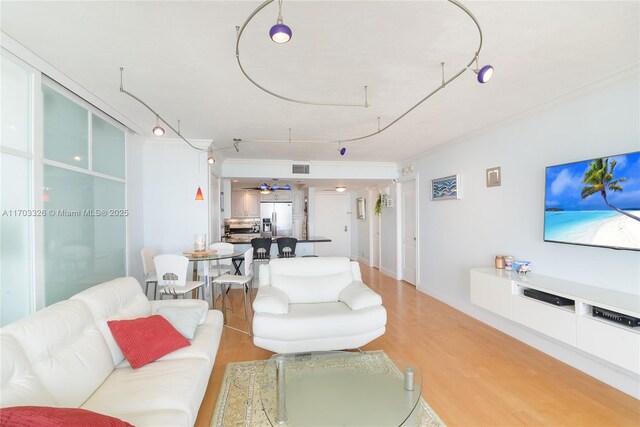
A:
[502, 292]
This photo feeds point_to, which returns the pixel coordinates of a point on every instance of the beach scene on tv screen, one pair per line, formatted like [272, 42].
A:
[594, 202]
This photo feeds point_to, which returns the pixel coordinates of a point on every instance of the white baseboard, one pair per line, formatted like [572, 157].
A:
[364, 261]
[616, 377]
[390, 273]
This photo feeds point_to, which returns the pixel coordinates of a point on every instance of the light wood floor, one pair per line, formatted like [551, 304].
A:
[473, 375]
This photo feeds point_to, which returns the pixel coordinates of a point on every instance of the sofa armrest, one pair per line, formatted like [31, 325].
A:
[271, 300]
[357, 295]
[156, 304]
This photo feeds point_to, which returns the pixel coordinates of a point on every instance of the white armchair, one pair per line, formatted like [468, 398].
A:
[315, 304]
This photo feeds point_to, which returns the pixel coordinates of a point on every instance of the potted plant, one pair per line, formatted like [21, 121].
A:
[378, 209]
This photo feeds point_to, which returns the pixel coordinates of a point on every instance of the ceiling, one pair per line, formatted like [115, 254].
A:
[180, 58]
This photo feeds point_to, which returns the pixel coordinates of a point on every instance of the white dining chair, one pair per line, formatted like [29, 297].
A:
[149, 270]
[246, 282]
[172, 271]
[223, 266]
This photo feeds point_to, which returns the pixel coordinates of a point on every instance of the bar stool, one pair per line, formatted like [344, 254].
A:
[287, 247]
[246, 281]
[261, 248]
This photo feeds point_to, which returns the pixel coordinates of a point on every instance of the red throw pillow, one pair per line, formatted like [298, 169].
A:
[44, 416]
[146, 339]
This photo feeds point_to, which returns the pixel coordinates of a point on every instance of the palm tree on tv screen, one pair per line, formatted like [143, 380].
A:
[599, 177]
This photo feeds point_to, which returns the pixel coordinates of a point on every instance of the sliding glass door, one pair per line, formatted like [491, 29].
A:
[84, 177]
[16, 190]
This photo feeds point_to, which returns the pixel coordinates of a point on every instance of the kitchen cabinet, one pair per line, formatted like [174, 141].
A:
[245, 204]
[276, 196]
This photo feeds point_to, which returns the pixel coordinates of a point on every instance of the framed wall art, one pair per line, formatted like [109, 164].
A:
[445, 188]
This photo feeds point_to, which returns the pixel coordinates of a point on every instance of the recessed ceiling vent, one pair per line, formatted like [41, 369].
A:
[300, 169]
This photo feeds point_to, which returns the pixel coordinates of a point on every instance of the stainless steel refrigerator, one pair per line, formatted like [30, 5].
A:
[281, 216]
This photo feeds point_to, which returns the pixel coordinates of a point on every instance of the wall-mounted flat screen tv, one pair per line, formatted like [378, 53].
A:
[594, 202]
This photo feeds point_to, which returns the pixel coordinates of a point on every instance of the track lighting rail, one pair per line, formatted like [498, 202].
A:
[379, 129]
[159, 119]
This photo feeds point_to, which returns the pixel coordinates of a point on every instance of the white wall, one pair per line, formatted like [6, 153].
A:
[258, 168]
[172, 173]
[135, 204]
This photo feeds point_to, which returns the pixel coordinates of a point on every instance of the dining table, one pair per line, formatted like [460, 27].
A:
[208, 256]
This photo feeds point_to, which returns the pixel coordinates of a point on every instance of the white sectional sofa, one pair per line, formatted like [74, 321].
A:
[65, 356]
[315, 304]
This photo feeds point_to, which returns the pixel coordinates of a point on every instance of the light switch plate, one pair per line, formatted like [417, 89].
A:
[494, 177]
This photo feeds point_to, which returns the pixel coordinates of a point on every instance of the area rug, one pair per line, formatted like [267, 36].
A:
[239, 402]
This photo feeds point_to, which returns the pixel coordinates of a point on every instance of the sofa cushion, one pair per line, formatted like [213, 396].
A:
[45, 416]
[19, 384]
[170, 389]
[204, 344]
[115, 300]
[271, 300]
[184, 319]
[306, 321]
[311, 280]
[157, 305]
[66, 350]
[358, 296]
[146, 339]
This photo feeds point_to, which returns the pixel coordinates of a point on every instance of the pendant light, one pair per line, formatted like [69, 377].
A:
[199, 195]
[280, 33]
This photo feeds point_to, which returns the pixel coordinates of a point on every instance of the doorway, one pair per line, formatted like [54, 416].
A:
[332, 221]
[409, 232]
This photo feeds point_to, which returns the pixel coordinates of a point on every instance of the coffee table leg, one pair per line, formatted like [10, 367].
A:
[281, 418]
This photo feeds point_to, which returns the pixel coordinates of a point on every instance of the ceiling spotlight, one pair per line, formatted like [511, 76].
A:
[210, 159]
[77, 158]
[343, 151]
[340, 189]
[287, 187]
[280, 33]
[275, 187]
[158, 130]
[484, 73]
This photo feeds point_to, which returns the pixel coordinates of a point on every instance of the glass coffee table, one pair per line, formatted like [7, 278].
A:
[339, 389]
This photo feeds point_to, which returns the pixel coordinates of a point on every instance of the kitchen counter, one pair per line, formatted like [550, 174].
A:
[311, 239]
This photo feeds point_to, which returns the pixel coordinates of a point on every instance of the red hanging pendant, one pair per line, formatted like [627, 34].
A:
[199, 195]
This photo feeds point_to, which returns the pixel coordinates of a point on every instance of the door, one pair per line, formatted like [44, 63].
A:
[409, 232]
[332, 222]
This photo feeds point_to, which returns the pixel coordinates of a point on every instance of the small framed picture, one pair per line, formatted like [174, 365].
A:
[361, 208]
[445, 188]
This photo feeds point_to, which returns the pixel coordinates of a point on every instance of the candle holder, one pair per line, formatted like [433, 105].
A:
[199, 242]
